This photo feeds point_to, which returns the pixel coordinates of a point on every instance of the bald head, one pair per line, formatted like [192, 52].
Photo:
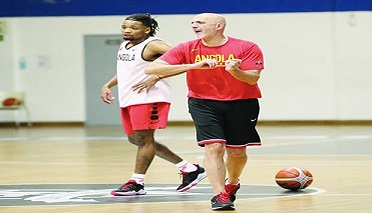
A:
[212, 17]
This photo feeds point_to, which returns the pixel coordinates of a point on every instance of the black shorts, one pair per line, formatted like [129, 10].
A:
[231, 122]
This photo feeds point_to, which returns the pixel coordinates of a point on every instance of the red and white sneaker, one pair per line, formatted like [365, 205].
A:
[222, 201]
[231, 189]
[190, 179]
[131, 188]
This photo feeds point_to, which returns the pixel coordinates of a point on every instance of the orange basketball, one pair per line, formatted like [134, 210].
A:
[11, 102]
[293, 178]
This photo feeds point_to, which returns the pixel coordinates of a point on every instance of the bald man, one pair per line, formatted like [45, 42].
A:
[222, 74]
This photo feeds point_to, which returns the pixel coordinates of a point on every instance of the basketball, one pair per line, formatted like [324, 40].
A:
[11, 102]
[293, 178]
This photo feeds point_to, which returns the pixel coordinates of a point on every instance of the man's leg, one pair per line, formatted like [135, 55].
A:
[235, 162]
[165, 153]
[215, 166]
[144, 140]
[192, 174]
[146, 150]
[160, 151]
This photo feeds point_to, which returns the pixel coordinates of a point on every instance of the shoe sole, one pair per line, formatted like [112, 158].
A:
[194, 183]
[115, 193]
[227, 207]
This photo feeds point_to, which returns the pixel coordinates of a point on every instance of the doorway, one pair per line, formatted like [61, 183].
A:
[100, 66]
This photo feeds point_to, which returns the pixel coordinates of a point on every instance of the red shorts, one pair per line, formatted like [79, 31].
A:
[145, 116]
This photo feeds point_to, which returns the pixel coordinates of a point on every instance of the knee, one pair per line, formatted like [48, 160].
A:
[138, 140]
[215, 149]
[144, 138]
[237, 153]
[131, 139]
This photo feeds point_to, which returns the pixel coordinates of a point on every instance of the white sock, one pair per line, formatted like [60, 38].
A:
[227, 182]
[139, 178]
[185, 166]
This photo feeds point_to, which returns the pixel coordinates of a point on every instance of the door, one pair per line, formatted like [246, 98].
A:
[100, 66]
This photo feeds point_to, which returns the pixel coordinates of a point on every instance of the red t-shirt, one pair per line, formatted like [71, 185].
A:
[217, 83]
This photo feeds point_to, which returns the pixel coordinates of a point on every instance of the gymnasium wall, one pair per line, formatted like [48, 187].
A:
[318, 54]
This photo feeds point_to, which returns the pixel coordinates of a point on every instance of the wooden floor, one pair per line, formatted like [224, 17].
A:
[339, 157]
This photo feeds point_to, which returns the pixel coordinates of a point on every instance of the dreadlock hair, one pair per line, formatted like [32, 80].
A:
[146, 20]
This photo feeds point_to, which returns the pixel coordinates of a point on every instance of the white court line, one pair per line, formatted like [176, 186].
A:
[96, 138]
[307, 137]
[61, 163]
[116, 138]
[261, 162]
[346, 194]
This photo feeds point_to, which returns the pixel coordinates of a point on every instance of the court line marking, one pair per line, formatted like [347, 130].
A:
[346, 194]
[322, 138]
[153, 191]
[266, 162]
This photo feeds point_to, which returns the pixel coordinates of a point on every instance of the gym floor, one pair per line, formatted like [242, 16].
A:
[73, 169]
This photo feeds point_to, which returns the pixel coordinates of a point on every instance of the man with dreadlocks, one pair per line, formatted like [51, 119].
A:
[144, 112]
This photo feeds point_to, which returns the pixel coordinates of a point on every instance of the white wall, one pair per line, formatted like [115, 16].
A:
[317, 65]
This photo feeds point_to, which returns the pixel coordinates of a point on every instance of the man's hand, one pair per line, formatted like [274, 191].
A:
[232, 65]
[106, 95]
[146, 84]
[205, 64]
[247, 76]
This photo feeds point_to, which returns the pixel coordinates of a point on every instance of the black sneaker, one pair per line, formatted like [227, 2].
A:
[222, 201]
[231, 189]
[130, 188]
[192, 178]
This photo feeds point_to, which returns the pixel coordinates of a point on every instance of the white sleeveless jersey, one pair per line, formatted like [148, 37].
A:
[131, 70]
